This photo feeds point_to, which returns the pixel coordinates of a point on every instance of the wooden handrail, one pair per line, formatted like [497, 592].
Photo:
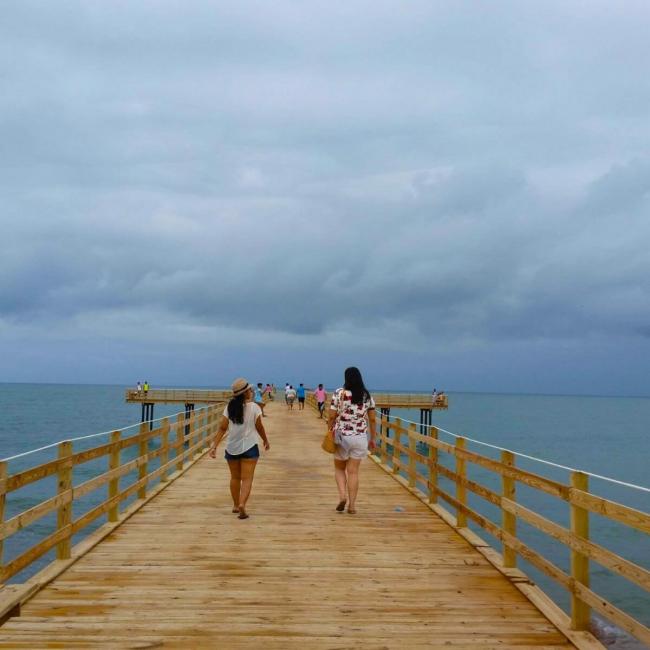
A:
[579, 500]
[203, 425]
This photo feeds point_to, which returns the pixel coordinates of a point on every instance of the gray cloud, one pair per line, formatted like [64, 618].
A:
[447, 175]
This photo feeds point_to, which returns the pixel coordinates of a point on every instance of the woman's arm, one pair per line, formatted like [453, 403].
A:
[260, 429]
[372, 429]
[223, 427]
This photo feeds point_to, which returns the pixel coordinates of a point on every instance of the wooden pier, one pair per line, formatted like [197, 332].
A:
[212, 396]
[177, 569]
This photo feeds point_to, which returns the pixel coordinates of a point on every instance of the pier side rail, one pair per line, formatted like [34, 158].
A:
[209, 396]
[177, 444]
[178, 396]
[401, 455]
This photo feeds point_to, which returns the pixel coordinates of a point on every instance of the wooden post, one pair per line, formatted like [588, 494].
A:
[433, 467]
[199, 433]
[580, 611]
[461, 492]
[64, 512]
[397, 434]
[164, 444]
[383, 428]
[412, 451]
[3, 497]
[143, 448]
[114, 483]
[191, 428]
[508, 519]
[180, 436]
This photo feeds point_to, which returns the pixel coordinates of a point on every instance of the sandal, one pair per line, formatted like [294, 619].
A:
[341, 506]
[235, 510]
[242, 514]
[352, 511]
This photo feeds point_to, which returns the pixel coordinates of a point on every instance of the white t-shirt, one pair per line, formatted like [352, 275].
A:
[241, 437]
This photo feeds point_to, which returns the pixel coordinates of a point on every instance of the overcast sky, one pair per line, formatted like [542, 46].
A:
[444, 193]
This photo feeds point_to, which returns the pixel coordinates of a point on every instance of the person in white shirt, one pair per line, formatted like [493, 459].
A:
[242, 421]
[291, 397]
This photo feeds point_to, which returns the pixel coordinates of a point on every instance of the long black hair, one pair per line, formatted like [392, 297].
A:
[354, 383]
[236, 408]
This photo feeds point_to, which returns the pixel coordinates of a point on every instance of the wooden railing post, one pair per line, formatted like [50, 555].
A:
[461, 491]
[397, 435]
[383, 432]
[180, 437]
[508, 519]
[143, 449]
[412, 452]
[164, 444]
[64, 512]
[433, 467]
[114, 483]
[199, 434]
[580, 611]
[3, 497]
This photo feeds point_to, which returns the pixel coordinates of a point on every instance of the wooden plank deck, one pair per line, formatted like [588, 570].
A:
[184, 572]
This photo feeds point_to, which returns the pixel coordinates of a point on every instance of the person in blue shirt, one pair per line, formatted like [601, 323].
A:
[300, 392]
[258, 399]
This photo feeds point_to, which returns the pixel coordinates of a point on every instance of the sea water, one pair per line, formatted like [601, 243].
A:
[609, 436]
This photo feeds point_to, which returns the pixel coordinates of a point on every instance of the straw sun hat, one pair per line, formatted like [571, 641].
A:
[239, 386]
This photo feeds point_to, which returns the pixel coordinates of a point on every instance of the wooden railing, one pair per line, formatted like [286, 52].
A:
[410, 400]
[400, 455]
[178, 395]
[176, 444]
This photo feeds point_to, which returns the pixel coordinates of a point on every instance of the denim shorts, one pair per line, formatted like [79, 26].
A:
[250, 454]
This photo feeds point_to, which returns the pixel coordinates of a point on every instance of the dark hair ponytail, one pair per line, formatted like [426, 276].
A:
[236, 409]
[354, 383]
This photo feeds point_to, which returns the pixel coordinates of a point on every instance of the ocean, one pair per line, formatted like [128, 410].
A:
[603, 435]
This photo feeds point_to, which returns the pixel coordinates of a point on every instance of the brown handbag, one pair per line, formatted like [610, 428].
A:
[328, 443]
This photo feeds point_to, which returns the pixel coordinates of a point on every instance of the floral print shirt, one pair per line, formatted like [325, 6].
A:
[352, 417]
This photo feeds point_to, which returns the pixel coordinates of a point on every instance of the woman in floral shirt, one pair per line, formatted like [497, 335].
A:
[352, 415]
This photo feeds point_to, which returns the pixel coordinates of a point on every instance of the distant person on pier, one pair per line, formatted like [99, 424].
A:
[300, 392]
[259, 400]
[242, 421]
[269, 392]
[139, 388]
[434, 394]
[291, 397]
[320, 396]
[145, 387]
[352, 417]
[286, 390]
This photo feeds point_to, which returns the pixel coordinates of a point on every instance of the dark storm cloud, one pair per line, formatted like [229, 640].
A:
[458, 172]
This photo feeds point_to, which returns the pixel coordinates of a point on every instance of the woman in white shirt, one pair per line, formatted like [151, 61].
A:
[242, 421]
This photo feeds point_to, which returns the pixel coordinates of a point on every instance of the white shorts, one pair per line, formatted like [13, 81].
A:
[355, 447]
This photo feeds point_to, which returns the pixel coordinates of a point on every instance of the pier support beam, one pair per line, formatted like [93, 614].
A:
[189, 409]
[425, 420]
[147, 414]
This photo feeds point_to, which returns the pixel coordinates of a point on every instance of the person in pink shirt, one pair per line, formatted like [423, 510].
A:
[321, 396]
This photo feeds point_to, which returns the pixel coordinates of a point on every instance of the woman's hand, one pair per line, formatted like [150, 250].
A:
[371, 444]
[267, 445]
[213, 452]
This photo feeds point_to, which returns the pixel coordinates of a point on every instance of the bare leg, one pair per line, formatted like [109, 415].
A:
[341, 478]
[247, 472]
[235, 481]
[353, 482]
